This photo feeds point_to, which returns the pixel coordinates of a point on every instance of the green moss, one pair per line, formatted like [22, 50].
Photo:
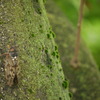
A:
[40, 48]
[39, 11]
[36, 1]
[30, 90]
[49, 66]
[32, 35]
[53, 34]
[41, 31]
[40, 26]
[60, 98]
[51, 74]
[54, 53]
[60, 69]
[56, 48]
[48, 36]
[50, 59]
[44, 1]
[65, 84]
[70, 95]
[42, 66]
[46, 51]
[57, 62]
[57, 56]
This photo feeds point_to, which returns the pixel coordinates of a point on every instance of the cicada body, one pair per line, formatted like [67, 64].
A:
[11, 67]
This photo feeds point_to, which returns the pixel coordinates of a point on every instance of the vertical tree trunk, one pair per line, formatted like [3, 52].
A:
[84, 81]
[24, 26]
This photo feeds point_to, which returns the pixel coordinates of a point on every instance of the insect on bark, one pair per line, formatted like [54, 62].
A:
[11, 66]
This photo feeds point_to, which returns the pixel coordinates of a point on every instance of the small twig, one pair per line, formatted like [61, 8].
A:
[75, 61]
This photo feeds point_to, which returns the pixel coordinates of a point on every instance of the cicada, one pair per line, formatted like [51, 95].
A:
[11, 66]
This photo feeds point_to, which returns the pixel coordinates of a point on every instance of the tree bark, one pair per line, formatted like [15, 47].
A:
[84, 81]
[24, 25]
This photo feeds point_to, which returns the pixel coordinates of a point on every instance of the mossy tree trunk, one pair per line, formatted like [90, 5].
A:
[85, 80]
[24, 25]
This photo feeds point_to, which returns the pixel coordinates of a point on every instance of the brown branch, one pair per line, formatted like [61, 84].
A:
[74, 61]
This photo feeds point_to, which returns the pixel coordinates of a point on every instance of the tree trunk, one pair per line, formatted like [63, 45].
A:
[24, 26]
[85, 80]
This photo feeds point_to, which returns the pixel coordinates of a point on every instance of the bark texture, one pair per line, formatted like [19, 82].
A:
[24, 25]
[85, 80]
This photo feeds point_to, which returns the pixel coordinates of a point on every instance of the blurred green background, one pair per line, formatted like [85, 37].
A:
[91, 22]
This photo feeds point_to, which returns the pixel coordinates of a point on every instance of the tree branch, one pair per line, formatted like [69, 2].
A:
[75, 61]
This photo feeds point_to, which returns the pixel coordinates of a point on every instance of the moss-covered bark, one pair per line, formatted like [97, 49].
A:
[24, 24]
[84, 81]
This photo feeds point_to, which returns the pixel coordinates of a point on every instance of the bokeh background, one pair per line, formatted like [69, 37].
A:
[90, 25]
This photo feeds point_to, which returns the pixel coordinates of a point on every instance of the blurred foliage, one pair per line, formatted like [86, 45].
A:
[91, 22]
